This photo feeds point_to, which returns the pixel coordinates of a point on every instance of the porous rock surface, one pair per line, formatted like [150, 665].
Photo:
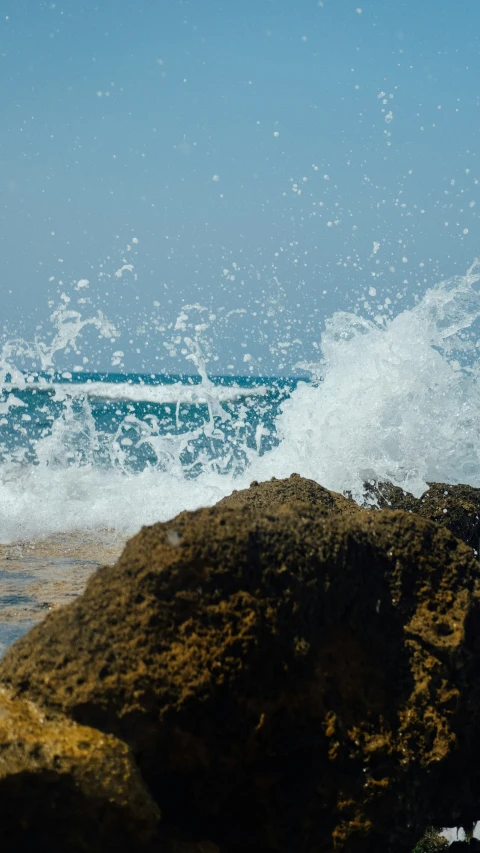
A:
[289, 679]
[294, 488]
[65, 787]
[454, 507]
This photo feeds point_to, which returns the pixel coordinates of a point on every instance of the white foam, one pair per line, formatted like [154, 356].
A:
[395, 402]
[177, 392]
[42, 501]
[398, 399]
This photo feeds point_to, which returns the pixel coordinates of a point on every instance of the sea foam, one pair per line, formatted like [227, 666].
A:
[397, 399]
[392, 398]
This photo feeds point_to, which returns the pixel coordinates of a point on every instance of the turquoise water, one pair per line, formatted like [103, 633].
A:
[116, 420]
[96, 451]
[396, 398]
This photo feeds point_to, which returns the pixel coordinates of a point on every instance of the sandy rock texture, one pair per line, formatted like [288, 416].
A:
[289, 676]
[65, 787]
[295, 488]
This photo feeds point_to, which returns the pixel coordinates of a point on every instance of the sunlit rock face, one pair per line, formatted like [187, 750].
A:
[288, 675]
[68, 787]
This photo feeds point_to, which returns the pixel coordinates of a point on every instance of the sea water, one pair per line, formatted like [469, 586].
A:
[87, 458]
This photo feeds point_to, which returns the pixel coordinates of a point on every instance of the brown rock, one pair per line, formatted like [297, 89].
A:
[65, 787]
[454, 507]
[295, 488]
[287, 679]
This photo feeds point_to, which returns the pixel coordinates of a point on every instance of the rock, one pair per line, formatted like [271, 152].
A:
[295, 488]
[65, 787]
[287, 679]
[432, 842]
[454, 507]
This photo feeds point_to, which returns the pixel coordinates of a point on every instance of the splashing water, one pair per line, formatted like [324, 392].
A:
[394, 399]
[398, 401]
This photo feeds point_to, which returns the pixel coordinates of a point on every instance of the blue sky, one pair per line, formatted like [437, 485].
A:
[258, 152]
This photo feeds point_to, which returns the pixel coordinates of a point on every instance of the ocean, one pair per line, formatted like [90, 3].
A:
[87, 458]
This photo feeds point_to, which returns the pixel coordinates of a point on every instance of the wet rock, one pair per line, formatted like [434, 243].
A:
[65, 787]
[431, 842]
[454, 507]
[287, 679]
[295, 488]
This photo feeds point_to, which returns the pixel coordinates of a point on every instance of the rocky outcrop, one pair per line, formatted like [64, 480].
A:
[295, 488]
[454, 507]
[65, 787]
[288, 678]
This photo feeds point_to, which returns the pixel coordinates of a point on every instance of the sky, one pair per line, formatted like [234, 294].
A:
[269, 162]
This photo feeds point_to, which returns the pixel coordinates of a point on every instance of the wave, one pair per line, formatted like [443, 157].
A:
[399, 398]
[138, 393]
[394, 397]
